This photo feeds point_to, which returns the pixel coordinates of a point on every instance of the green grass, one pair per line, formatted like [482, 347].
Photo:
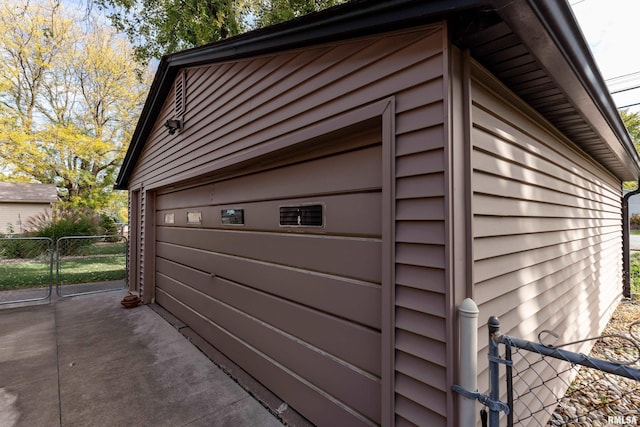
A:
[634, 231]
[99, 262]
[635, 273]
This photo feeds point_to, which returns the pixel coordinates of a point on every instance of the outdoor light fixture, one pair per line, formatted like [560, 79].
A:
[173, 125]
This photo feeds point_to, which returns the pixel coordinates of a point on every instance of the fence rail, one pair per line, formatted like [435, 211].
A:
[30, 266]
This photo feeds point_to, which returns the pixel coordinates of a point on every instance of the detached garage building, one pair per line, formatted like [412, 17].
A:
[316, 198]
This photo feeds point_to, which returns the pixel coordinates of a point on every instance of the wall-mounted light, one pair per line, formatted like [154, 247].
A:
[173, 125]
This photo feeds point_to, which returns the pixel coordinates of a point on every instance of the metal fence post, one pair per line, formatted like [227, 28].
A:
[494, 370]
[468, 359]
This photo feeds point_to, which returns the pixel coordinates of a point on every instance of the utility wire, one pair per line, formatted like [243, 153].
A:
[625, 90]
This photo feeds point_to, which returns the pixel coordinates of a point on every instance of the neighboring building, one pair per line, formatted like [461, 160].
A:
[20, 201]
[316, 198]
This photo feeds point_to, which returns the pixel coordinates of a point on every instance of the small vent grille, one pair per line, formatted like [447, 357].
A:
[307, 215]
[181, 83]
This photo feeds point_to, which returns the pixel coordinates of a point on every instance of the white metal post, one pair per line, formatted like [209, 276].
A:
[468, 360]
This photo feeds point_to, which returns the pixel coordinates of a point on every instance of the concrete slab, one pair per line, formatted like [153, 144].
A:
[88, 361]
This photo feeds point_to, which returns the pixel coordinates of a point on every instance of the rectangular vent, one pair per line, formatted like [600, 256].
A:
[180, 95]
[302, 216]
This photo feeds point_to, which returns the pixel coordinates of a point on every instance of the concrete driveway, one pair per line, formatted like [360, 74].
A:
[634, 242]
[87, 361]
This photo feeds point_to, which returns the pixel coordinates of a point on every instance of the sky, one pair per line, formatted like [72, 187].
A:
[610, 28]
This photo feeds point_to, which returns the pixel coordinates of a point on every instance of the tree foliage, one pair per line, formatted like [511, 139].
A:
[162, 27]
[269, 12]
[632, 122]
[70, 95]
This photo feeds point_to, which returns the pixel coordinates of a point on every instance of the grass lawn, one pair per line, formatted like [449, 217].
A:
[635, 274]
[634, 231]
[98, 262]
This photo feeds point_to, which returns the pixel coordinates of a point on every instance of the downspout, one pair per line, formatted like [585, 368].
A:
[626, 255]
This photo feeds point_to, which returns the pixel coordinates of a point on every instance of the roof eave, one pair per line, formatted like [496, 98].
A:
[560, 48]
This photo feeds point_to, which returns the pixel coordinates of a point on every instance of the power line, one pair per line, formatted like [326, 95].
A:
[625, 90]
[629, 105]
[636, 73]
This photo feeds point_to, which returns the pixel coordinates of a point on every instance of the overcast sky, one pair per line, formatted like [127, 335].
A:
[611, 28]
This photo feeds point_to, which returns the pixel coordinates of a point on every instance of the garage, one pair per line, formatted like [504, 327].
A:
[280, 267]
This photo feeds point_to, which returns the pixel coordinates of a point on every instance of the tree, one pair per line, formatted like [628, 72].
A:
[269, 12]
[157, 27]
[632, 122]
[70, 95]
[160, 27]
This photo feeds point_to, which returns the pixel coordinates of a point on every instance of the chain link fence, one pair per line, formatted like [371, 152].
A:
[88, 264]
[26, 272]
[547, 385]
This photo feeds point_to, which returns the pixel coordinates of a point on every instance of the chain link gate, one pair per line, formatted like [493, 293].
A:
[90, 264]
[26, 272]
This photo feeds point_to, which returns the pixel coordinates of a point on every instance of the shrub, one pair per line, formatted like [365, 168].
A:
[635, 221]
[64, 222]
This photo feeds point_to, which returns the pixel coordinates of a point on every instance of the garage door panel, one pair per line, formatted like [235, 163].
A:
[359, 301]
[352, 343]
[196, 196]
[357, 258]
[350, 386]
[345, 214]
[350, 172]
[309, 399]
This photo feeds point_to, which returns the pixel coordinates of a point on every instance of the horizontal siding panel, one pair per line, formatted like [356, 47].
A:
[498, 266]
[301, 394]
[421, 347]
[499, 285]
[410, 413]
[526, 132]
[357, 258]
[421, 370]
[425, 232]
[493, 246]
[425, 139]
[504, 226]
[531, 188]
[505, 158]
[359, 301]
[495, 205]
[419, 300]
[420, 209]
[425, 278]
[419, 164]
[420, 255]
[418, 391]
[431, 185]
[414, 321]
[294, 108]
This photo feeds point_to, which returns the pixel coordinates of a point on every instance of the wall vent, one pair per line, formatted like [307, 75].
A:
[180, 94]
[302, 216]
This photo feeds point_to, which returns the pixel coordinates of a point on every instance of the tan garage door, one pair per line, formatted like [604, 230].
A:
[281, 270]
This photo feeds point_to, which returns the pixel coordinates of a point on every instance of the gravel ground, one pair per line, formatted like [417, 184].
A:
[598, 399]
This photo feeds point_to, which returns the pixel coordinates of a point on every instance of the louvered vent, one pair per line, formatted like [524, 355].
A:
[307, 215]
[180, 102]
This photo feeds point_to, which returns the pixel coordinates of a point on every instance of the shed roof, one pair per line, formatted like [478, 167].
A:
[17, 192]
[535, 47]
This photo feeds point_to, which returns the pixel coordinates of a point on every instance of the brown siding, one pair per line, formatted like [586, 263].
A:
[546, 225]
[234, 108]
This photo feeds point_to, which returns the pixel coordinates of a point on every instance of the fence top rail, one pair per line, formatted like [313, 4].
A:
[26, 238]
[104, 236]
[615, 368]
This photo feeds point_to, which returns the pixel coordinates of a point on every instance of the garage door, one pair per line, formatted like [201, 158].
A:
[280, 269]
